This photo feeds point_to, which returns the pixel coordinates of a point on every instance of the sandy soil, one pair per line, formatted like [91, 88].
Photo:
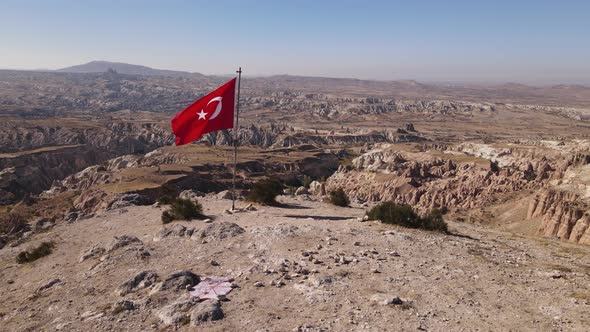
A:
[290, 276]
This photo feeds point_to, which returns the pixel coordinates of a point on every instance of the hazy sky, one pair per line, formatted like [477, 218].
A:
[534, 41]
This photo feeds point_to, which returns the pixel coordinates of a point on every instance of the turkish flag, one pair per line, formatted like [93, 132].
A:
[213, 112]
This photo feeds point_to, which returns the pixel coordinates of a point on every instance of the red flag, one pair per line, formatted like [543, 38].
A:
[213, 112]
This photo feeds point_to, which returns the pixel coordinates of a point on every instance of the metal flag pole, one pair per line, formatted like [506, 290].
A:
[233, 194]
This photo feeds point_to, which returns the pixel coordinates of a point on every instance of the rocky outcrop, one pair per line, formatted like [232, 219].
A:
[428, 181]
[325, 107]
[117, 137]
[561, 214]
[263, 136]
[32, 173]
[348, 139]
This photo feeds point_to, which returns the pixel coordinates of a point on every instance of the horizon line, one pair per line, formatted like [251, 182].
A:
[433, 82]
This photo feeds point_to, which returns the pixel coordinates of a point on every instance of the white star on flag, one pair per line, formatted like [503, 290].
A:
[202, 115]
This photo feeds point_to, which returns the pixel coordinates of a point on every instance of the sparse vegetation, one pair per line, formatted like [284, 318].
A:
[13, 224]
[404, 215]
[339, 198]
[182, 209]
[434, 221]
[265, 191]
[42, 250]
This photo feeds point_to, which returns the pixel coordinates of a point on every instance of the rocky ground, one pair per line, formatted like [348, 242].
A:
[306, 266]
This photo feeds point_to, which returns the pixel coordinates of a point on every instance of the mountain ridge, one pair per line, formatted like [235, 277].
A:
[124, 68]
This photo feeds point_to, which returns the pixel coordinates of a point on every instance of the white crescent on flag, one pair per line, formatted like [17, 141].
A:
[217, 109]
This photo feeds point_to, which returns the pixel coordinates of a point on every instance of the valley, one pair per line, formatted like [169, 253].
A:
[87, 160]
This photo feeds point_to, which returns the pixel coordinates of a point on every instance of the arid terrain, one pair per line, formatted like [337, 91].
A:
[86, 158]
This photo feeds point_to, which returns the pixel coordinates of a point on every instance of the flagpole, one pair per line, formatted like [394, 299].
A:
[233, 194]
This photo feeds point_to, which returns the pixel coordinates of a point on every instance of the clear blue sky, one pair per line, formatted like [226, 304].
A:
[537, 42]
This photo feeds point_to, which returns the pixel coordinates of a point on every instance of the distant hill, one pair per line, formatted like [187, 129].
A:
[124, 68]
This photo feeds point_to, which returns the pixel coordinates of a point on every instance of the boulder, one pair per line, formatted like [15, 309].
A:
[48, 284]
[91, 253]
[191, 195]
[226, 194]
[142, 280]
[218, 231]
[206, 311]
[317, 188]
[122, 241]
[41, 224]
[301, 191]
[124, 305]
[129, 199]
[176, 230]
[180, 280]
[177, 313]
[71, 216]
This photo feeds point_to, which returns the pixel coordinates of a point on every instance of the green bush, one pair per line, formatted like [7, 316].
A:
[265, 191]
[404, 215]
[183, 209]
[339, 198]
[391, 213]
[435, 222]
[42, 250]
[165, 200]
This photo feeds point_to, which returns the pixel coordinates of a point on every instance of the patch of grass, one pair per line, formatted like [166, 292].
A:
[265, 191]
[13, 224]
[404, 215]
[339, 198]
[44, 249]
[183, 209]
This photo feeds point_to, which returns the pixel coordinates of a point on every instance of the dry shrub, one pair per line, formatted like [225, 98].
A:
[183, 209]
[404, 215]
[265, 191]
[44, 249]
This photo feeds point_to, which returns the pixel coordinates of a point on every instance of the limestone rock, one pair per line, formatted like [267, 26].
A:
[48, 284]
[301, 191]
[191, 195]
[180, 280]
[92, 253]
[218, 231]
[226, 194]
[41, 224]
[206, 311]
[140, 281]
[177, 313]
[176, 230]
[122, 241]
[124, 305]
[317, 188]
[129, 199]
